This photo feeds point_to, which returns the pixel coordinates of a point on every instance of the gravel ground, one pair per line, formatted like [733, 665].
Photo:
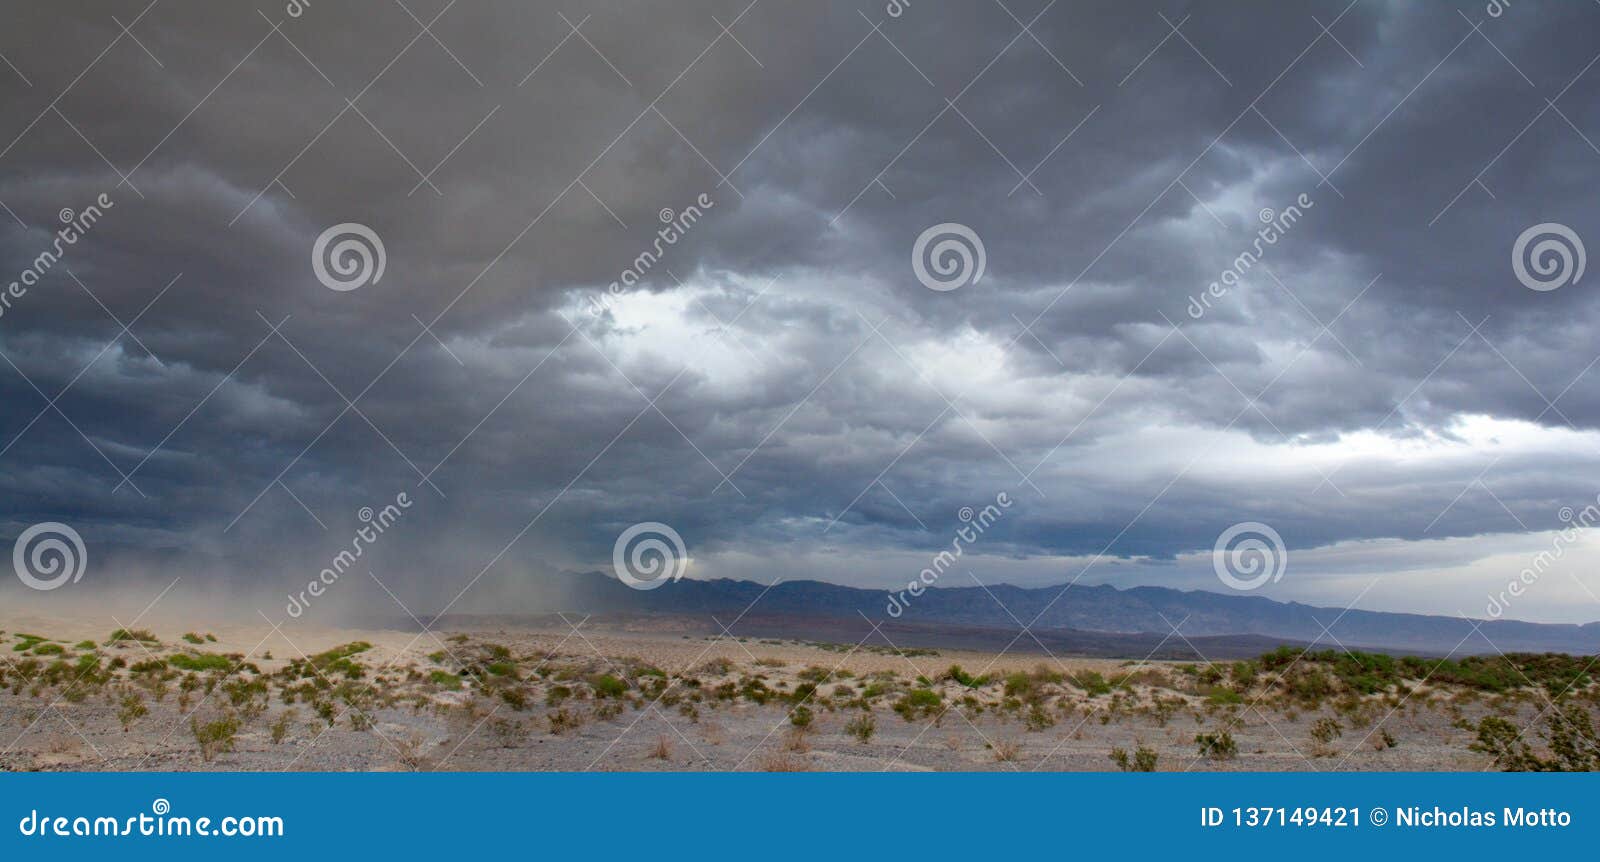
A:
[418, 722]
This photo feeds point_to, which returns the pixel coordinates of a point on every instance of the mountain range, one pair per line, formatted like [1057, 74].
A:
[1075, 618]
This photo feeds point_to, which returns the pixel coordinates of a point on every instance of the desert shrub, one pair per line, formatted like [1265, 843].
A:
[130, 709]
[562, 721]
[1092, 683]
[1221, 696]
[85, 645]
[715, 667]
[411, 751]
[139, 635]
[801, 717]
[515, 698]
[919, 703]
[956, 674]
[214, 737]
[1143, 759]
[1006, 750]
[1038, 718]
[279, 729]
[1569, 732]
[200, 662]
[193, 638]
[445, 680]
[1326, 730]
[862, 727]
[1217, 746]
[605, 685]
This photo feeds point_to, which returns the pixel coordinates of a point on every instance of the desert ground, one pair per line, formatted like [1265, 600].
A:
[78, 695]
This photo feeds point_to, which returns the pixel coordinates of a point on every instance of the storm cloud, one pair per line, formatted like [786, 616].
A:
[654, 262]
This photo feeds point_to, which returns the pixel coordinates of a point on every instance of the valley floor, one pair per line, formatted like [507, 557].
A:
[576, 698]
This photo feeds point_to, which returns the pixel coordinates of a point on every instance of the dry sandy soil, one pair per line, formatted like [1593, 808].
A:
[554, 697]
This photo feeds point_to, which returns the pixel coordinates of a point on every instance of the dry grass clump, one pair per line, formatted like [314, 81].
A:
[784, 763]
[662, 749]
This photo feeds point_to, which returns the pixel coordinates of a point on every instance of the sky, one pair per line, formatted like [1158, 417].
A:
[804, 283]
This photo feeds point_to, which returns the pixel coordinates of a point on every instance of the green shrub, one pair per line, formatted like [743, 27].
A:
[862, 727]
[445, 680]
[200, 662]
[131, 709]
[1143, 759]
[919, 703]
[214, 737]
[1217, 746]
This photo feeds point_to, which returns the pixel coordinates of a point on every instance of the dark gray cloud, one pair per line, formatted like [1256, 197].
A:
[779, 386]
